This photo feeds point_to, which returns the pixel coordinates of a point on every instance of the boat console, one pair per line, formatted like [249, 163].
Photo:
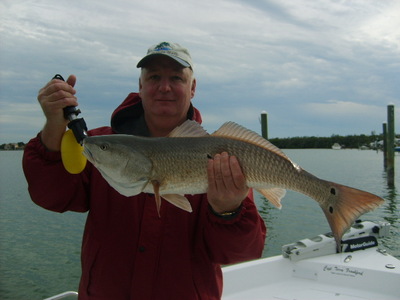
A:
[362, 235]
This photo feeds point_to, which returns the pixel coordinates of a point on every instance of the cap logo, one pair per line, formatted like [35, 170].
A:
[163, 46]
[174, 51]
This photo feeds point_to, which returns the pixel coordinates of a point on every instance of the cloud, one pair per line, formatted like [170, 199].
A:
[344, 117]
[20, 121]
[380, 30]
[241, 114]
[281, 56]
[340, 109]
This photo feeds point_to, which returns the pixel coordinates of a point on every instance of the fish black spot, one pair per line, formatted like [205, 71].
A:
[209, 156]
[331, 209]
[333, 191]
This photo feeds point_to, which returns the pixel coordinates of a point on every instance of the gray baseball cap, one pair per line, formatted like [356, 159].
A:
[172, 50]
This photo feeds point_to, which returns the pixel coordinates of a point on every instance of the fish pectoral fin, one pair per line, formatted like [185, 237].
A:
[179, 201]
[188, 129]
[156, 187]
[274, 195]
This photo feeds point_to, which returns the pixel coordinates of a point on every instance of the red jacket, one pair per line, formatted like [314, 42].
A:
[128, 252]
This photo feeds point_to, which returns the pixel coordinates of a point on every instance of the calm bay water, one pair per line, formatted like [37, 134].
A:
[40, 250]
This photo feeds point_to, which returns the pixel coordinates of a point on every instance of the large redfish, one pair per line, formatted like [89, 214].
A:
[176, 165]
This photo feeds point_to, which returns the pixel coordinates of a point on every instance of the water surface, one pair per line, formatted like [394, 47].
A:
[40, 250]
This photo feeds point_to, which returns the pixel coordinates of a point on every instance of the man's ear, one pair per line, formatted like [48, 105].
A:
[193, 91]
[140, 85]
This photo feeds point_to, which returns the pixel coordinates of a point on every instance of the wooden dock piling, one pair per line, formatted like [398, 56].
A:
[384, 133]
[264, 125]
[390, 137]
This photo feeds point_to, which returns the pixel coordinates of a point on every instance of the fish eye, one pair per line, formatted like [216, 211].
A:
[104, 147]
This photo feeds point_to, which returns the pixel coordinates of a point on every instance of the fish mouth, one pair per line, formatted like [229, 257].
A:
[88, 154]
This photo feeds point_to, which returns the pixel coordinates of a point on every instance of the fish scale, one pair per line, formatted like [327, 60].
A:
[176, 165]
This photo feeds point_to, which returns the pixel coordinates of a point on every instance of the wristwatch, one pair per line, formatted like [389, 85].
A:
[227, 215]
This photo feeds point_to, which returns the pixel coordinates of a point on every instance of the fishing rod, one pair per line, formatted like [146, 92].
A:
[77, 125]
[71, 144]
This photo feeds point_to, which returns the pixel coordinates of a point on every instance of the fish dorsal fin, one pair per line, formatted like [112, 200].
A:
[238, 132]
[188, 129]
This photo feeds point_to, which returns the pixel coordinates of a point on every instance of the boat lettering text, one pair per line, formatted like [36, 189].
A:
[341, 270]
[363, 245]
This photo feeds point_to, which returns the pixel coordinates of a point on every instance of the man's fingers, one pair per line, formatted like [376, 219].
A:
[211, 177]
[225, 173]
[226, 183]
[71, 80]
[57, 95]
[218, 175]
[237, 173]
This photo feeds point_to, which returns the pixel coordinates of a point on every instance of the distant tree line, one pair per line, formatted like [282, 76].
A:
[350, 141]
[13, 146]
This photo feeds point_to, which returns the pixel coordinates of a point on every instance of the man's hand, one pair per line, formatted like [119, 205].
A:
[53, 97]
[226, 183]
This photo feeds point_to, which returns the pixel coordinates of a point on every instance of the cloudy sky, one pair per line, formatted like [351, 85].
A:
[317, 67]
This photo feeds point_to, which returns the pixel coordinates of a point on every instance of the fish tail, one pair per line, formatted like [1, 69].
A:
[344, 207]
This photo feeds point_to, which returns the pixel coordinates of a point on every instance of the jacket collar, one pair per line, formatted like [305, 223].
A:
[128, 117]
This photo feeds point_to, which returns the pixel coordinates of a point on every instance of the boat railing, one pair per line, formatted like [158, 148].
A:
[70, 295]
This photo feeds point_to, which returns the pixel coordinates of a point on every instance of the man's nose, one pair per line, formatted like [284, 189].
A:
[165, 85]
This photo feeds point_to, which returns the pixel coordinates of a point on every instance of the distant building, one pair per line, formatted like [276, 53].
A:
[14, 146]
[379, 144]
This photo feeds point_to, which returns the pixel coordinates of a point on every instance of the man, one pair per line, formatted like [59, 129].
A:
[128, 251]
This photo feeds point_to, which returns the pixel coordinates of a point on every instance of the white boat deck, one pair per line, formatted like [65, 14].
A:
[365, 274]
[311, 269]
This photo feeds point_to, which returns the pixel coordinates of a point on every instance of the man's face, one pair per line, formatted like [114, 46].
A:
[166, 88]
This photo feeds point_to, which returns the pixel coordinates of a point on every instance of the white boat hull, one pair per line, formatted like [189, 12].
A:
[364, 274]
[311, 269]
